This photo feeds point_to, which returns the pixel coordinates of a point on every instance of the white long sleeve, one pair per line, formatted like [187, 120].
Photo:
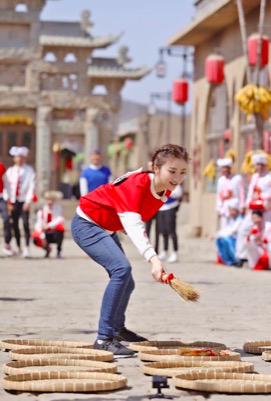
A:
[83, 186]
[135, 228]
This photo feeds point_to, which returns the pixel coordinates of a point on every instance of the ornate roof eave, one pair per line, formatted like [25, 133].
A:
[82, 42]
[118, 73]
[209, 22]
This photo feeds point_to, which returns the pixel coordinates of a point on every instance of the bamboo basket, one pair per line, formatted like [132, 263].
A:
[171, 369]
[68, 382]
[223, 382]
[257, 347]
[41, 365]
[61, 352]
[172, 355]
[266, 356]
[13, 344]
[155, 345]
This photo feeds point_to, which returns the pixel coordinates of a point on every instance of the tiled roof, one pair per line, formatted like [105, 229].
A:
[77, 41]
[110, 68]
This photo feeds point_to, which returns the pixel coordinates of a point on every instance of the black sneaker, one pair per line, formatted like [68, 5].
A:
[113, 345]
[130, 336]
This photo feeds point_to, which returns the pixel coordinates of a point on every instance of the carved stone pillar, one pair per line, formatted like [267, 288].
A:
[43, 148]
[91, 132]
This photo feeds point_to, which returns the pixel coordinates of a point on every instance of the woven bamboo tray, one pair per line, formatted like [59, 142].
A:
[171, 369]
[61, 352]
[41, 365]
[172, 355]
[266, 356]
[154, 345]
[257, 347]
[10, 344]
[223, 382]
[68, 382]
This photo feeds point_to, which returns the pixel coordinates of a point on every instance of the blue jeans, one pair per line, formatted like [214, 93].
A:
[106, 250]
[226, 250]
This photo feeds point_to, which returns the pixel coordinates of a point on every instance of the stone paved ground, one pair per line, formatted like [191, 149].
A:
[60, 299]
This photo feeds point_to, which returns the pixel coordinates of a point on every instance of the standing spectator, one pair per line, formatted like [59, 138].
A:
[49, 227]
[166, 218]
[258, 242]
[226, 237]
[228, 186]
[19, 187]
[95, 174]
[258, 197]
[7, 250]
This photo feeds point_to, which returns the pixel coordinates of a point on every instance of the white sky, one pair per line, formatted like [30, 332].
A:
[147, 25]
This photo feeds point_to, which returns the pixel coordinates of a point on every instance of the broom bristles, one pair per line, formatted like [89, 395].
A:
[185, 290]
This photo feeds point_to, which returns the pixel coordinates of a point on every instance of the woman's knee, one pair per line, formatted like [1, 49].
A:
[122, 270]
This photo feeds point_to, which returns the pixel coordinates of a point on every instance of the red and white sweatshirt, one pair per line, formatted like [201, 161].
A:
[125, 205]
[49, 219]
[19, 183]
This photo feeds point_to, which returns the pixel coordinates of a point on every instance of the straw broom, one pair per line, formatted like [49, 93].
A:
[185, 290]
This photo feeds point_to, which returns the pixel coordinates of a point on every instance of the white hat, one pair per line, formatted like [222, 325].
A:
[19, 151]
[259, 158]
[227, 162]
[54, 195]
[233, 203]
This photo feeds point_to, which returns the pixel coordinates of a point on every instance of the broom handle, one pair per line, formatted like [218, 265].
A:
[167, 277]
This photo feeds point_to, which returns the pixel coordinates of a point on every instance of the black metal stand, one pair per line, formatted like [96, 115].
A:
[160, 382]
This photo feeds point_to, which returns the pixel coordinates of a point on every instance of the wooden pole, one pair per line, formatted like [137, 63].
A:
[258, 116]
[242, 24]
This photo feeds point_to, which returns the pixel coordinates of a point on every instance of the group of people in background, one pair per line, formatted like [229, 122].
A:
[17, 193]
[244, 215]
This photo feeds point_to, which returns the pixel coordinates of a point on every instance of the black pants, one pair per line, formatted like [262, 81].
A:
[55, 237]
[6, 221]
[148, 225]
[166, 220]
[18, 212]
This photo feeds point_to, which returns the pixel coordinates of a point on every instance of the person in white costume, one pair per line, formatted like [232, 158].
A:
[49, 226]
[258, 198]
[19, 188]
[259, 243]
[226, 237]
[229, 186]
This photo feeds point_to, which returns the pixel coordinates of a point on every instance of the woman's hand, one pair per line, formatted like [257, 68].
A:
[157, 268]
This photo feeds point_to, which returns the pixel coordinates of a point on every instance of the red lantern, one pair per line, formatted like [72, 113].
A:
[227, 135]
[128, 143]
[180, 91]
[214, 69]
[252, 45]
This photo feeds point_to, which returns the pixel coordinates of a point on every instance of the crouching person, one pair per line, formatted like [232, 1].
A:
[226, 237]
[49, 226]
[259, 243]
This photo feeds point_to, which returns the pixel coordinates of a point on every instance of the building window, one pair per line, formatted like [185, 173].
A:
[27, 139]
[21, 8]
[12, 139]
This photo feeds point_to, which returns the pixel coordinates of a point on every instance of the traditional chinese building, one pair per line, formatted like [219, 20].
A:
[217, 124]
[48, 88]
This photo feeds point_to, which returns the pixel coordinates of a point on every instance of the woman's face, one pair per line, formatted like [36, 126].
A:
[171, 174]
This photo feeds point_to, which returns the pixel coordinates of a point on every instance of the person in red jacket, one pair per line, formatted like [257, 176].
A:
[7, 250]
[125, 205]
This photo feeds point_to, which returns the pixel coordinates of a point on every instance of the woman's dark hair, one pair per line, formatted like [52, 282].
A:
[162, 154]
[258, 212]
